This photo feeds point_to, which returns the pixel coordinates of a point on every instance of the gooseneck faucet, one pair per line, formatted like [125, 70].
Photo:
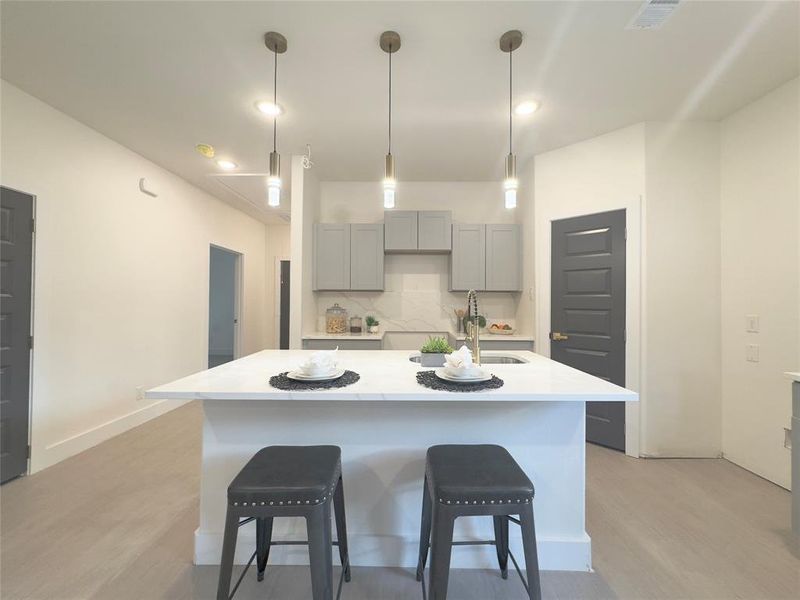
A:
[473, 326]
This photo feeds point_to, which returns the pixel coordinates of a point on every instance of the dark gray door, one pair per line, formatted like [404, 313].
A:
[588, 311]
[16, 255]
[284, 308]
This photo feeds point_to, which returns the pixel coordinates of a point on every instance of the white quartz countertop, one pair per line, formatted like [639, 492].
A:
[389, 375]
[344, 336]
[794, 376]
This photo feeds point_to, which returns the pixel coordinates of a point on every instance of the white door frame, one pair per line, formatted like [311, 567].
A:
[237, 301]
[634, 301]
[277, 300]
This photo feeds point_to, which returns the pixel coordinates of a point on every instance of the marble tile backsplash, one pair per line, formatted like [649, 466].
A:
[416, 298]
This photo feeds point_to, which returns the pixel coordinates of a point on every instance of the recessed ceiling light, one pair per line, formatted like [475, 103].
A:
[526, 108]
[269, 108]
[226, 165]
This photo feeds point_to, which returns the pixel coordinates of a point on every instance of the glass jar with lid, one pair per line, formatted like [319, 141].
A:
[336, 319]
[355, 325]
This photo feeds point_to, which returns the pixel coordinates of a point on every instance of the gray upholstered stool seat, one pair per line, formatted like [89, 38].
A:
[288, 481]
[474, 480]
[286, 475]
[479, 474]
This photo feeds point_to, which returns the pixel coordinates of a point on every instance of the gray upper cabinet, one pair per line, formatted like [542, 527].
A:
[503, 258]
[331, 256]
[366, 257]
[468, 261]
[401, 230]
[434, 230]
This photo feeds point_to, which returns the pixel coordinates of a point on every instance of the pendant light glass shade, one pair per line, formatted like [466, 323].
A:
[510, 183]
[274, 180]
[389, 183]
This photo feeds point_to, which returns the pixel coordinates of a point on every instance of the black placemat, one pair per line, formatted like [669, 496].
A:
[282, 382]
[430, 380]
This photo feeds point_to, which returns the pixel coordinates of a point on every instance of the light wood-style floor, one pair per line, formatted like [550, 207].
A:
[117, 521]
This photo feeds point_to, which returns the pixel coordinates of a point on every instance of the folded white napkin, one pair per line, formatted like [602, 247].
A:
[459, 363]
[319, 363]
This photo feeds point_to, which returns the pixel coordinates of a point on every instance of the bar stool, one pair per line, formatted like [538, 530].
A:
[470, 480]
[288, 481]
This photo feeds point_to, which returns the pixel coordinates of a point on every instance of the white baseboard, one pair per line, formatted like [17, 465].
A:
[43, 457]
[368, 550]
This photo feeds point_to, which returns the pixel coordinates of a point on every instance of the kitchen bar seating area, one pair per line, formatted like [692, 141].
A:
[389, 300]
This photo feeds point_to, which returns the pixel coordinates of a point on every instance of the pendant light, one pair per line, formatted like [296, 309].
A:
[510, 41]
[389, 43]
[277, 43]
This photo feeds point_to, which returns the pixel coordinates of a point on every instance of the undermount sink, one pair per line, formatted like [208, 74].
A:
[487, 359]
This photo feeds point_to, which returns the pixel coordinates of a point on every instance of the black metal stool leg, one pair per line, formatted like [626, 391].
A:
[228, 551]
[341, 528]
[263, 540]
[441, 547]
[501, 544]
[320, 552]
[424, 530]
[531, 555]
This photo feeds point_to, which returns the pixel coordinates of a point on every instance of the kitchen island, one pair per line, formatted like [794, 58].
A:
[384, 423]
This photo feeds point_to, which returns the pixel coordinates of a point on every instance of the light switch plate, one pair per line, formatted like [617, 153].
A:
[751, 352]
[751, 323]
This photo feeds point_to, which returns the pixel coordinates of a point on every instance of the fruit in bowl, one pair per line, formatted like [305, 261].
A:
[501, 328]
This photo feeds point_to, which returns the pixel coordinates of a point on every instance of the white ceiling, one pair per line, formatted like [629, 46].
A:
[159, 77]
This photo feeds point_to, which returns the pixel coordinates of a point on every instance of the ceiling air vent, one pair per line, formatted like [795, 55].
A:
[653, 14]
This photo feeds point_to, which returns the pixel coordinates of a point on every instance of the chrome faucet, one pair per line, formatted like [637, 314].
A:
[473, 326]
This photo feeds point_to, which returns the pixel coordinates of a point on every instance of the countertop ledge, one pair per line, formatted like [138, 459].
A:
[344, 336]
[389, 376]
[794, 376]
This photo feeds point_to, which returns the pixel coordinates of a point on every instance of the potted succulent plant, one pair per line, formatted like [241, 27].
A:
[433, 351]
[372, 324]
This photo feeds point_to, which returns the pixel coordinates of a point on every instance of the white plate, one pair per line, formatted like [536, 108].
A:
[299, 376]
[442, 374]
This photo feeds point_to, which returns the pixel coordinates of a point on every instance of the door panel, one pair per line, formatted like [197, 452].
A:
[285, 307]
[588, 307]
[16, 252]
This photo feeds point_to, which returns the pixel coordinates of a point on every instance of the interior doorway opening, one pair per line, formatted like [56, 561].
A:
[282, 302]
[224, 282]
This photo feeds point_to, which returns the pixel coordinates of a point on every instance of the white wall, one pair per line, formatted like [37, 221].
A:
[305, 212]
[681, 346]
[416, 296]
[760, 276]
[121, 278]
[600, 174]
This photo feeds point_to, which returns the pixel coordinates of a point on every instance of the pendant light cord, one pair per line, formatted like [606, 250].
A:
[275, 103]
[390, 98]
[510, 95]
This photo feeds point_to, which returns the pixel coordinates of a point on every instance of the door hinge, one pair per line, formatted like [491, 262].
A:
[28, 451]
[30, 342]
[626, 233]
[624, 335]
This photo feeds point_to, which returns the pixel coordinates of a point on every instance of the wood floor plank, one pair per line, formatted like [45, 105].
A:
[117, 523]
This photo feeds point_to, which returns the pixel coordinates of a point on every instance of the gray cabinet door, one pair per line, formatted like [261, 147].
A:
[503, 258]
[401, 230]
[434, 230]
[331, 256]
[366, 257]
[468, 261]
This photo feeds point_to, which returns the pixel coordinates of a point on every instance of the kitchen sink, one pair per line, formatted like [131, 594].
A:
[487, 359]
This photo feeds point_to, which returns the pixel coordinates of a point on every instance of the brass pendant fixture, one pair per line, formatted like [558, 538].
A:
[510, 41]
[389, 43]
[278, 45]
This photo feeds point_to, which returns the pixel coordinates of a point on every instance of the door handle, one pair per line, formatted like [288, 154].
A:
[558, 337]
